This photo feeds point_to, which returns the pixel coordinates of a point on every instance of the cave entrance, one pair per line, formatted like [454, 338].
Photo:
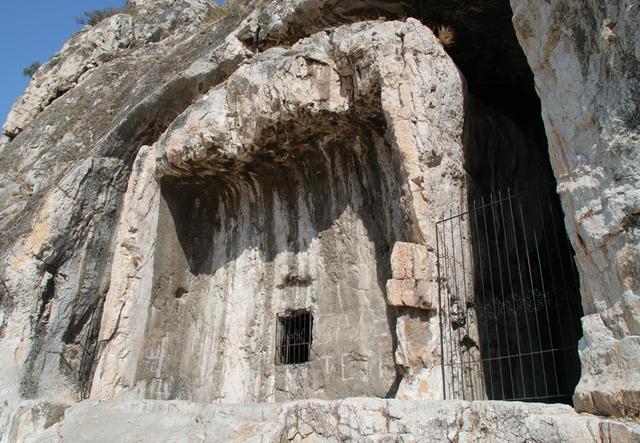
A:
[509, 294]
[509, 300]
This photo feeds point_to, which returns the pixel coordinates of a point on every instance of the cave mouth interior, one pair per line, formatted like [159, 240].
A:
[506, 150]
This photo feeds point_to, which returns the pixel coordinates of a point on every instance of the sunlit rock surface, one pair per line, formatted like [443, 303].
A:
[584, 58]
[170, 183]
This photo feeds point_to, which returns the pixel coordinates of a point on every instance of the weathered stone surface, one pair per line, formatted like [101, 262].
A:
[418, 346]
[169, 185]
[584, 57]
[402, 292]
[424, 264]
[96, 45]
[421, 294]
[29, 419]
[602, 353]
[355, 419]
[133, 262]
[61, 183]
[402, 261]
[422, 383]
[413, 283]
[319, 247]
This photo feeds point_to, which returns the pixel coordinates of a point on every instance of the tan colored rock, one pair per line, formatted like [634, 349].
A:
[96, 45]
[601, 352]
[400, 292]
[427, 294]
[319, 256]
[278, 139]
[30, 419]
[418, 346]
[402, 261]
[61, 185]
[420, 294]
[421, 384]
[424, 263]
[132, 278]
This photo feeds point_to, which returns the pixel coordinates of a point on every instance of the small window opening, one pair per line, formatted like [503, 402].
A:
[293, 337]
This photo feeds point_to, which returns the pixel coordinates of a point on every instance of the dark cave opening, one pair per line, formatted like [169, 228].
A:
[525, 300]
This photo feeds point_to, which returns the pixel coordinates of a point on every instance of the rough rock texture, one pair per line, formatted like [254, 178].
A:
[586, 59]
[170, 184]
[357, 419]
[293, 205]
[96, 45]
[62, 181]
[413, 281]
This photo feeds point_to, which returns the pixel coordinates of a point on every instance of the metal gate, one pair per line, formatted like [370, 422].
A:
[509, 300]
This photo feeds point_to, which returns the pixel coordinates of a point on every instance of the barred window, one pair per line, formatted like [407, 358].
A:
[293, 337]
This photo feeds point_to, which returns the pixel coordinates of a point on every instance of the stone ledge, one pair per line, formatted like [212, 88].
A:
[359, 419]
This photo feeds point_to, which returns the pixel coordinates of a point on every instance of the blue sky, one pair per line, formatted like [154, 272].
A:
[34, 30]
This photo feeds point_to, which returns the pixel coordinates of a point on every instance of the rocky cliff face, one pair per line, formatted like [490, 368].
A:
[171, 184]
[584, 57]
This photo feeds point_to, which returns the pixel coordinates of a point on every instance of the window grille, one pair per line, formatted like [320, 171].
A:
[509, 300]
[293, 337]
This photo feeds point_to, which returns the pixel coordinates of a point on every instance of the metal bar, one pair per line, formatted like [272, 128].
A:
[486, 234]
[457, 291]
[551, 266]
[541, 270]
[546, 351]
[522, 193]
[299, 338]
[277, 356]
[481, 268]
[296, 341]
[524, 301]
[563, 277]
[465, 301]
[444, 388]
[504, 302]
[444, 278]
[526, 245]
[310, 334]
[515, 313]
[305, 338]
[450, 351]
[287, 332]
[546, 309]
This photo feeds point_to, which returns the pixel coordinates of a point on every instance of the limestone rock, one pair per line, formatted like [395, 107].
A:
[602, 353]
[61, 187]
[84, 52]
[583, 57]
[413, 283]
[355, 419]
[30, 419]
[418, 339]
[172, 186]
[402, 261]
[269, 127]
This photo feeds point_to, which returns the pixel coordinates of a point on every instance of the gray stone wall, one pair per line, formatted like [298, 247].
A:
[585, 56]
[233, 252]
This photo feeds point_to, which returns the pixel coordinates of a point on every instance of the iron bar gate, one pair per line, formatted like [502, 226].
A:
[509, 300]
